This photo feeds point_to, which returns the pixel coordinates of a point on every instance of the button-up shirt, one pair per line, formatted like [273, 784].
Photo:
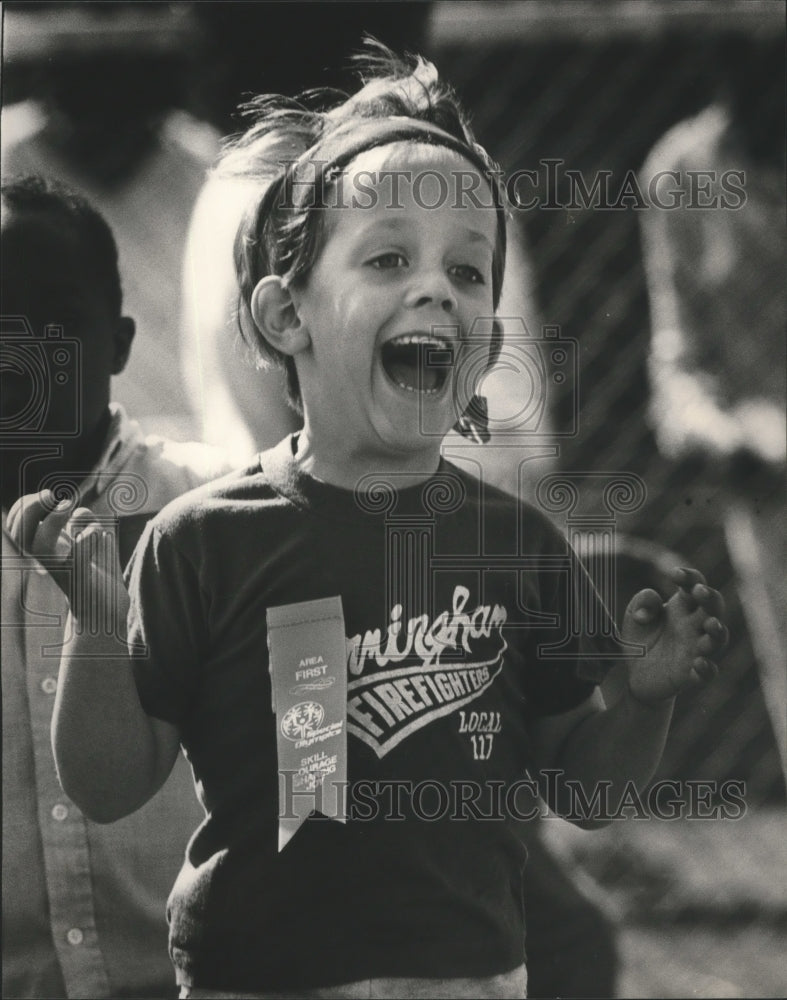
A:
[84, 905]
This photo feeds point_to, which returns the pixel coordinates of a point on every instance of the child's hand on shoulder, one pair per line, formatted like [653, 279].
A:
[78, 550]
[682, 637]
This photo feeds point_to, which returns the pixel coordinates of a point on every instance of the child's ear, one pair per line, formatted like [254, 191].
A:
[274, 312]
[124, 335]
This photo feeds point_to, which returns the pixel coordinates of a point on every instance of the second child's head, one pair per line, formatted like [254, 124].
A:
[64, 335]
[372, 265]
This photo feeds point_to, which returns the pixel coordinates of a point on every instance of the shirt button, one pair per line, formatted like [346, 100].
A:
[75, 936]
[59, 812]
[49, 685]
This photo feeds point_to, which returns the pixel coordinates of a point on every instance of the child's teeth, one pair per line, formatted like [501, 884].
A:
[425, 392]
[405, 360]
[420, 339]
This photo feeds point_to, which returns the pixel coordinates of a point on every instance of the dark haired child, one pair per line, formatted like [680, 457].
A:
[354, 613]
[83, 904]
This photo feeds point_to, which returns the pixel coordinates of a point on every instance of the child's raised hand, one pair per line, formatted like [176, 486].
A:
[682, 637]
[79, 552]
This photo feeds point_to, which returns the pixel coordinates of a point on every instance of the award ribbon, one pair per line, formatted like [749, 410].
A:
[308, 667]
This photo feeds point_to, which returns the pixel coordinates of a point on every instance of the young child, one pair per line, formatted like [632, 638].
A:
[83, 905]
[367, 590]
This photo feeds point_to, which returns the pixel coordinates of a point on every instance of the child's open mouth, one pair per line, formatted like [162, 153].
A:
[418, 362]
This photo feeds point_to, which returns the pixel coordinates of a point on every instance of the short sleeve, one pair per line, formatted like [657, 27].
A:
[575, 647]
[166, 625]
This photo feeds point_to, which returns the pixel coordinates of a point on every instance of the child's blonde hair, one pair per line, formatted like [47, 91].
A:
[401, 99]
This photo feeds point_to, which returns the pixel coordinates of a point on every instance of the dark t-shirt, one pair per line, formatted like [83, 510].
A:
[457, 603]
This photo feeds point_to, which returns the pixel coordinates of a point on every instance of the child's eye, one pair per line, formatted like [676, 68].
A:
[389, 260]
[465, 272]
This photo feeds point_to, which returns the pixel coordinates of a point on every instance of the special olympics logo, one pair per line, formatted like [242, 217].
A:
[302, 720]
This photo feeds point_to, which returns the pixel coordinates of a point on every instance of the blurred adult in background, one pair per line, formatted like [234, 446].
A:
[91, 92]
[249, 49]
[715, 246]
[236, 402]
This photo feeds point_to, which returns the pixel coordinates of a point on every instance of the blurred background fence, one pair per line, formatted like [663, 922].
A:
[701, 908]
[592, 85]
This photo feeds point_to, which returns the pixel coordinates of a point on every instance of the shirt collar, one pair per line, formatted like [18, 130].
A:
[123, 436]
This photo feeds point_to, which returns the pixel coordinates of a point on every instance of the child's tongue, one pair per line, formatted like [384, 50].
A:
[406, 366]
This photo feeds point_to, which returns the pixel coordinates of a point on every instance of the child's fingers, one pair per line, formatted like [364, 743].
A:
[89, 550]
[708, 599]
[82, 520]
[56, 538]
[48, 539]
[79, 522]
[686, 578]
[710, 645]
[80, 583]
[28, 509]
[12, 521]
[36, 520]
[704, 670]
[645, 607]
[716, 636]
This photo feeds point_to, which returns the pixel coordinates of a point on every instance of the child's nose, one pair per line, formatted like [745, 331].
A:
[432, 288]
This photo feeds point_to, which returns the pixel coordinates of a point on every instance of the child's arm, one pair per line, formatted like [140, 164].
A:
[607, 748]
[111, 756]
